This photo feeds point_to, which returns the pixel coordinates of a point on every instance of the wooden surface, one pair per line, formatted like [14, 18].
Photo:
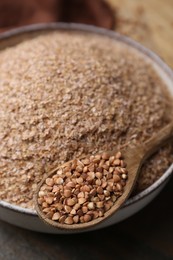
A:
[149, 22]
[148, 234]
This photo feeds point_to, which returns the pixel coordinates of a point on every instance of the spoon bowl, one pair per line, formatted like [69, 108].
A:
[133, 156]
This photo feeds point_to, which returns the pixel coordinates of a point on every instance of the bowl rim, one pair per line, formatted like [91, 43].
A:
[111, 34]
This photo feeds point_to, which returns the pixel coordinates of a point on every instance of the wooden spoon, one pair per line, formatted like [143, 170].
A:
[134, 158]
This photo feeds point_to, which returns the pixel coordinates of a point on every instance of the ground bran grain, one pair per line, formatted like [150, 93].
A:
[63, 95]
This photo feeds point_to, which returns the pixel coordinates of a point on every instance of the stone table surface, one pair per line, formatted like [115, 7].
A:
[146, 235]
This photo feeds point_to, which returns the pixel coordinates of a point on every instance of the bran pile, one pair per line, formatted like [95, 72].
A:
[63, 95]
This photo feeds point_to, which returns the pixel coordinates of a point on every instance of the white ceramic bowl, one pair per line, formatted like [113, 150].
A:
[27, 218]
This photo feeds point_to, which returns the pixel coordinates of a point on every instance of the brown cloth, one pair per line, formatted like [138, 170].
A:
[15, 13]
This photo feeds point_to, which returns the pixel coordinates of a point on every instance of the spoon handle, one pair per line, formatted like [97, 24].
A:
[155, 142]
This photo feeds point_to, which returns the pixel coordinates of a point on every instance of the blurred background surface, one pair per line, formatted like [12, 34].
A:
[147, 21]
